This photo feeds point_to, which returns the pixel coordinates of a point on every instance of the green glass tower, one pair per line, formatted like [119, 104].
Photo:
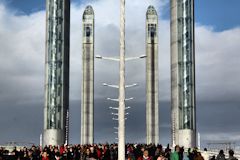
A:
[56, 108]
[183, 73]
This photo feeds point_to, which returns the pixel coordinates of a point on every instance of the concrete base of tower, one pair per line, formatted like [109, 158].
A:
[187, 138]
[53, 137]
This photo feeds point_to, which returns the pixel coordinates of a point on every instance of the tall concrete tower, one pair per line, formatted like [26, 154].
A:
[152, 76]
[183, 73]
[87, 101]
[57, 72]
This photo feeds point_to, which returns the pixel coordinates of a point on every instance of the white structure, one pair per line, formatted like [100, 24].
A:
[87, 100]
[56, 107]
[183, 73]
[199, 141]
[121, 110]
[152, 76]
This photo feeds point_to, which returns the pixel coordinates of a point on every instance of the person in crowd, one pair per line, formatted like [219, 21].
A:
[231, 155]
[151, 150]
[108, 152]
[45, 155]
[130, 153]
[186, 155]
[30, 155]
[70, 153]
[197, 155]
[139, 151]
[175, 154]
[221, 155]
[181, 153]
[158, 151]
[205, 154]
[161, 156]
[168, 152]
[86, 154]
[190, 154]
[145, 156]
[213, 157]
[57, 156]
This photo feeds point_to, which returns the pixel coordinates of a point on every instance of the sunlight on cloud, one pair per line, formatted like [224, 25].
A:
[22, 40]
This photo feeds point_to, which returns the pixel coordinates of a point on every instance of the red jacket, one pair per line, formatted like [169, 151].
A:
[141, 158]
[45, 158]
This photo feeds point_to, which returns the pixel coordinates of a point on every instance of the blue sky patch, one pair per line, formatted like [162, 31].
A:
[220, 14]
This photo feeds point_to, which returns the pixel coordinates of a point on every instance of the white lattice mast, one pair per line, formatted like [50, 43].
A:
[121, 111]
[121, 99]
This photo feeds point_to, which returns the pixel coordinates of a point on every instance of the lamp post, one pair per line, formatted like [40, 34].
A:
[117, 59]
[121, 99]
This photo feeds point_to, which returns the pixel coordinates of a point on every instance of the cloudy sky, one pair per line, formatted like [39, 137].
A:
[22, 51]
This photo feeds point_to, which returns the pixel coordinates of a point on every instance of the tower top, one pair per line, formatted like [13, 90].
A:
[151, 11]
[88, 12]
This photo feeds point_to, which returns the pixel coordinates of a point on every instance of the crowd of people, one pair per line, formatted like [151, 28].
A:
[109, 152]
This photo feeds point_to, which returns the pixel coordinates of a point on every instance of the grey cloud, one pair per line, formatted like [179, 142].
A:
[217, 59]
